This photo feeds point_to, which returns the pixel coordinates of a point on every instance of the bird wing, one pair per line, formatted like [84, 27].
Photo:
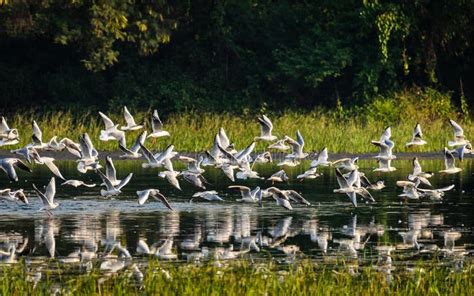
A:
[416, 167]
[386, 134]
[417, 131]
[246, 152]
[124, 181]
[107, 121]
[228, 171]
[110, 171]
[223, 139]
[143, 196]
[158, 196]
[166, 154]
[266, 126]
[106, 181]
[37, 134]
[125, 149]
[140, 140]
[295, 196]
[147, 154]
[448, 159]
[156, 124]
[49, 162]
[51, 190]
[341, 180]
[4, 126]
[447, 188]
[458, 131]
[40, 194]
[21, 165]
[128, 117]
[243, 189]
[10, 170]
[299, 139]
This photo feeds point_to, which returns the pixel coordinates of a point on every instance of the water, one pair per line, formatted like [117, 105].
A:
[328, 230]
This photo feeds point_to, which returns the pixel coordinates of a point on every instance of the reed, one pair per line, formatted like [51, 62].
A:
[244, 278]
[194, 132]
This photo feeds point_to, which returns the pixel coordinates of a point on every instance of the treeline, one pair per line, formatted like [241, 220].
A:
[234, 55]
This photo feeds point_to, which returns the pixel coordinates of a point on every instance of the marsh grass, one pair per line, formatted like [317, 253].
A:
[193, 132]
[244, 278]
[340, 129]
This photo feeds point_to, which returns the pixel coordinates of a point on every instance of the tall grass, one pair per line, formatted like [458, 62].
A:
[341, 130]
[244, 278]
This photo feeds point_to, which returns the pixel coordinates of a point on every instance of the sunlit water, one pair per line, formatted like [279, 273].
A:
[328, 230]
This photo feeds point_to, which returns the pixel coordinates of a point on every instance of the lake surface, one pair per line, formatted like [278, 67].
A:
[329, 230]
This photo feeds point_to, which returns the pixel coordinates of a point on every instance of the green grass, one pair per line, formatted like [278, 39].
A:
[243, 278]
[195, 132]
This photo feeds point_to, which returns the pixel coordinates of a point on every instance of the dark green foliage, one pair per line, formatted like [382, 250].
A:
[230, 55]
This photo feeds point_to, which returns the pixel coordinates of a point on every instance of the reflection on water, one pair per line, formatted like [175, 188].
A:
[119, 234]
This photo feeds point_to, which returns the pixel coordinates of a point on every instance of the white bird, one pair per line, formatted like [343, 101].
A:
[322, 159]
[247, 194]
[379, 185]
[435, 194]
[346, 185]
[410, 189]
[228, 170]
[16, 195]
[207, 195]
[54, 145]
[289, 162]
[459, 138]
[8, 136]
[88, 155]
[157, 127]
[112, 190]
[449, 163]
[385, 165]
[280, 197]
[385, 149]
[348, 164]
[28, 152]
[77, 183]
[418, 173]
[264, 157]
[48, 196]
[246, 172]
[309, 174]
[297, 147]
[194, 166]
[111, 172]
[195, 179]
[156, 194]
[461, 150]
[49, 163]
[266, 128]
[37, 137]
[7, 164]
[156, 161]
[417, 138]
[386, 135]
[279, 176]
[131, 124]
[280, 145]
[111, 131]
[224, 141]
[132, 153]
[172, 177]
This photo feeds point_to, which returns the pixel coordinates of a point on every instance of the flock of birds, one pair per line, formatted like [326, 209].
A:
[223, 155]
